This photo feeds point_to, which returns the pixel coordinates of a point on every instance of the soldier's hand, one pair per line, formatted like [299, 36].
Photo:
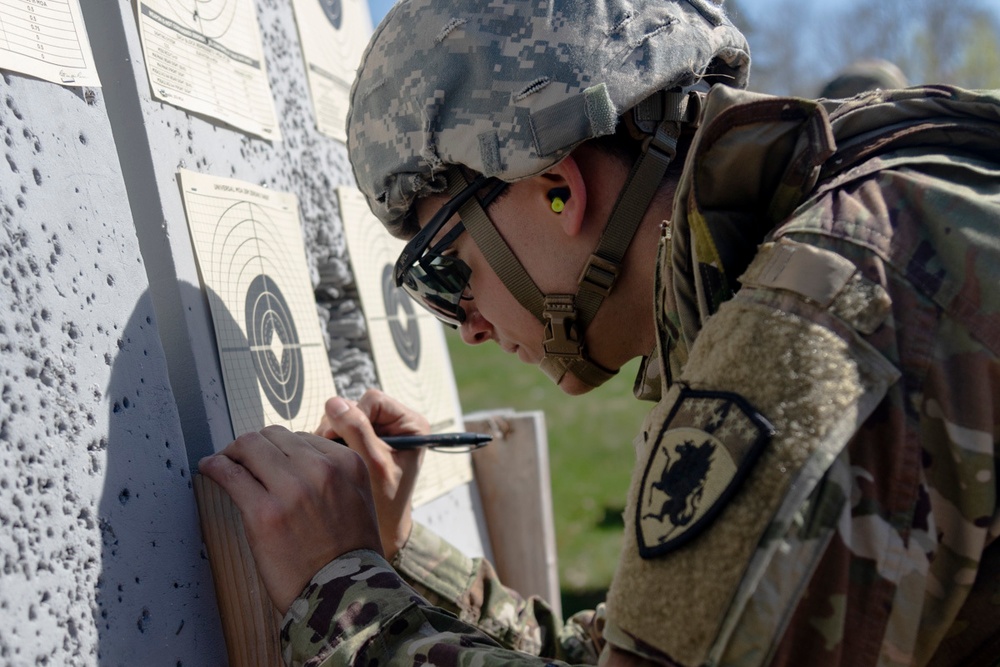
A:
[303, 502]
[393, 473]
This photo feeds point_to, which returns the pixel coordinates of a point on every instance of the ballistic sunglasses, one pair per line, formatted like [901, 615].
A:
[436, 280]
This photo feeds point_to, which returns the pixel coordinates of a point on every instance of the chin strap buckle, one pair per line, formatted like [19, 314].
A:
[562, 335]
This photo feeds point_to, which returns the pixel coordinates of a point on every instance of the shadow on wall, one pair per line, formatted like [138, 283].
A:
[155, 599]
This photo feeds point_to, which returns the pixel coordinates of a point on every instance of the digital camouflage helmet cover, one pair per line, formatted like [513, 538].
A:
[506, 89]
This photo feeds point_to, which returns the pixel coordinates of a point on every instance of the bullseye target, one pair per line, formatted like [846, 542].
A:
[408, 344]
[274, 346]
[402, 318]
[248, 244]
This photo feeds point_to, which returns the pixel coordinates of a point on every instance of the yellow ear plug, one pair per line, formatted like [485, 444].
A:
[558, 204]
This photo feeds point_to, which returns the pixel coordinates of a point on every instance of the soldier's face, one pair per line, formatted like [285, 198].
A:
[492, 313]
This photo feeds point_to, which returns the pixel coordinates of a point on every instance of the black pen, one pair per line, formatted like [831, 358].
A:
[470, 440]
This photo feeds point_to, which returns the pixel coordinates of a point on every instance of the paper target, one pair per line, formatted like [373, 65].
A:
[248, 245]
[207, 56]
[408, 345]
[333, 34]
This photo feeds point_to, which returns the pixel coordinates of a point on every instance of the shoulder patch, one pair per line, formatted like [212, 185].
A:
[707, 446]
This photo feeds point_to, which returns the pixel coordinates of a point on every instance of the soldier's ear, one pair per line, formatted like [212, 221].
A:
[564, 195]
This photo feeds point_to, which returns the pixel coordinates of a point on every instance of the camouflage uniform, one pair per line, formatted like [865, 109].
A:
[817, 483]
[851, 384]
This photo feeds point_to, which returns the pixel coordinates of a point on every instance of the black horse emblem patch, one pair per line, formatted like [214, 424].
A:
[705, 449]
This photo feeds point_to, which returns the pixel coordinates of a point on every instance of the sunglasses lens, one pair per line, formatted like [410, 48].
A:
[436, 280]
[437, 283]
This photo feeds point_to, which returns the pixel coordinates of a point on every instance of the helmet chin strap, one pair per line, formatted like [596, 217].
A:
[566, 316]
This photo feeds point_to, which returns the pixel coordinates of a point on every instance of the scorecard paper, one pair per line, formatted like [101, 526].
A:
[248, 246]
[206, 56]
[408, 344]
[46, 39]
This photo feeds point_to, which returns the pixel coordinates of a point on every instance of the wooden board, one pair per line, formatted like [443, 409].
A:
[513, 478]
[250, 623]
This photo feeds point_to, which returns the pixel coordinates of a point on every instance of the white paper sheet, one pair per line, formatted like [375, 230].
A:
[334, 34]
[248, 245]
[206, 56]
[46, 39]
[408, 344]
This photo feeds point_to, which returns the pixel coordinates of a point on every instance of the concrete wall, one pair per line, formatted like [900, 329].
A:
[109, 378]
[102, 558]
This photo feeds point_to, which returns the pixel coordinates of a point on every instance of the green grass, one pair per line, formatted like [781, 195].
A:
[590, 452]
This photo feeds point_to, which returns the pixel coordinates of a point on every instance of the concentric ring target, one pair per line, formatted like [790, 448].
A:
[274, 346]
[212, 18]
[405, 337]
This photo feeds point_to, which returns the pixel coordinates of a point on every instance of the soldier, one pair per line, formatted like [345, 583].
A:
[862, 76]
[816, 482]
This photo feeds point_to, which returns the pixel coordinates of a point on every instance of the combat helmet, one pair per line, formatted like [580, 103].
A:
[505, 90]
[864, 75]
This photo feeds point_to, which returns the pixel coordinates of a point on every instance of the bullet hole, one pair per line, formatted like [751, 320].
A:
[13, 165]
[13, 107]
[111, 280]
[143, 622]
[85, 518]
[83, 139]
[38, 176]
[124, 496]
[126, 403]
